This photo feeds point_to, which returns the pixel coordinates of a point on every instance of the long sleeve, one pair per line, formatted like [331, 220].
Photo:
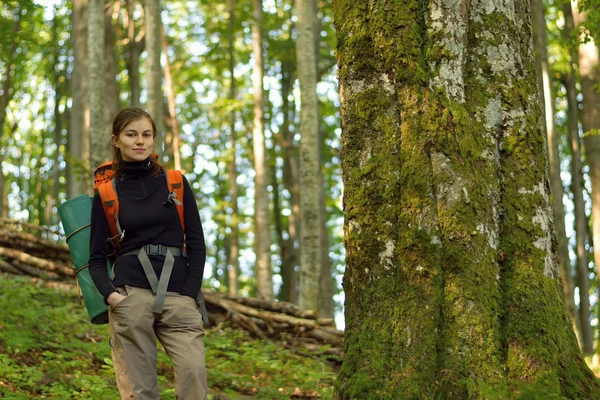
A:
[195, 245]
[99, 250]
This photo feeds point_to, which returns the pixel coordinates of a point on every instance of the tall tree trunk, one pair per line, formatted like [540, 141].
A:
[589, 73]
[78, 160]
[52, 200]
[581, 219]
[234, 242]
[546, 93]
[262, 235]
[154, 104]
[452, 286]
[133, 61]
[327, 285]
[5, 97]
[112, 91]
[172, 142]
[311, 238]
[96, 78]
[289, 252]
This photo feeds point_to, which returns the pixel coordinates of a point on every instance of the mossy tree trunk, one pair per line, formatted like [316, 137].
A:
[452, 285]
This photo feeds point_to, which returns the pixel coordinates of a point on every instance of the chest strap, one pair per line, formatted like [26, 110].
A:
[157, 250]
[158, 285]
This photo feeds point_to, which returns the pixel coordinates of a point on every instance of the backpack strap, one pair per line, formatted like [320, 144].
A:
[110, 205]
[175, 185]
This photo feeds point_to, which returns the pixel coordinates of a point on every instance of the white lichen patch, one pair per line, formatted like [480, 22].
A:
[545, 244]
[446, 23]
[452, 187]
[515, 118]
[491, 234]
[466, 193]
[386, 257]
[538, 189]
[387, 84]
[493, 113]
[543, 218]
[503, 60]
[354, 226]
[353, 87]
[507, 8]
[365, 155]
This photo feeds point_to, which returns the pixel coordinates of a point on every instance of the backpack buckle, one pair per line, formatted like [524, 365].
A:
[155, 250]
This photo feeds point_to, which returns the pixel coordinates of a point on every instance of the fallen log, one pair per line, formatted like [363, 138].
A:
[22, 251]
[36, 262]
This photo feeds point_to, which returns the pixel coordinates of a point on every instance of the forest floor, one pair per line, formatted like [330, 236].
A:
[49, 350]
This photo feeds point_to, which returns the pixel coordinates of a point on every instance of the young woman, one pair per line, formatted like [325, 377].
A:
[156, 278]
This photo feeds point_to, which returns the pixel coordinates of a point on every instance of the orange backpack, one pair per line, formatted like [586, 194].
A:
[105, 185]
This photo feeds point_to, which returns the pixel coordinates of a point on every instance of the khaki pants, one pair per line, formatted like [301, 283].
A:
[133, 333]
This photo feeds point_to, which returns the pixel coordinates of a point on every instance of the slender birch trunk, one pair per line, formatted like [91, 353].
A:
[112, 91]
[135, 48]
[4, 101]
[546, 94]
[172, 140]
[589, 72]
[262, 234]
[97, 101]
[576, 165]
[234, 243]
[154, 104]
[78, 157]
[311, 234]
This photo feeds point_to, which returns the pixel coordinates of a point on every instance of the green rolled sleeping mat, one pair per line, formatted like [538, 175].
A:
[75, 215]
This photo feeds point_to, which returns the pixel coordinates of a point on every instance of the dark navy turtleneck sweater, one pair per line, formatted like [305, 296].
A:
[147, 218]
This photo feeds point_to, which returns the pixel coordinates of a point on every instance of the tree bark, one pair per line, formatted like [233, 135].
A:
[327, 284]
[112, 92]
[589, 73]
[97, 101]
[310, 170]
[133, 61]
[262, 235]
[172, 142]
[154, 105]
[452, 285]
[53, 199]
[234, 237]
[581, 219]
[546, 93]
[78, 164]
[289, 251]
[7, 94]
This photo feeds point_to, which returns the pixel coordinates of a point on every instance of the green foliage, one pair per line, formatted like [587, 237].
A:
[48, 348]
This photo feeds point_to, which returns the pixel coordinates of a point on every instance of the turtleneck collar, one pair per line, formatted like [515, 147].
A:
[137, 167]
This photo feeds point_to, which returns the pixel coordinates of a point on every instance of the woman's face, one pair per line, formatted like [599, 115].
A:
[135, 141]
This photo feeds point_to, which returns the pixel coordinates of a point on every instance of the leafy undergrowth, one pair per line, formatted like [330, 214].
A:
[48, 349]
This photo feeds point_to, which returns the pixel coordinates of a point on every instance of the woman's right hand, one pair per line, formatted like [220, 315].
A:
[115, 298]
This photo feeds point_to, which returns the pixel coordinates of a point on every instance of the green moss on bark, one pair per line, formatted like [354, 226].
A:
[451, 288]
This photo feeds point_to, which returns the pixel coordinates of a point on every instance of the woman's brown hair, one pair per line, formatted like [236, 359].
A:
[124, 118]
